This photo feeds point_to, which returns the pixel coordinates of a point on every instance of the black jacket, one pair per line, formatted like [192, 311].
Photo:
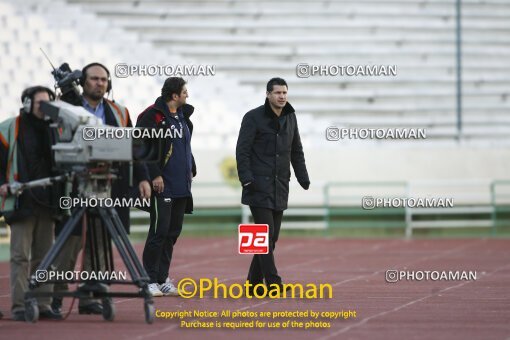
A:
[34, 162]
[266, 146]
[156, 116]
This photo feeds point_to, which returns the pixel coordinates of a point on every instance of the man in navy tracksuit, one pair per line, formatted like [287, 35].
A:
[171, 181]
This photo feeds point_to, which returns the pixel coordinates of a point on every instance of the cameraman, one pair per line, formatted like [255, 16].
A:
[96, 83]
[25, 155]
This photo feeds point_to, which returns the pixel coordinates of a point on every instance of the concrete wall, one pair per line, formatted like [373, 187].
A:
[465, 170]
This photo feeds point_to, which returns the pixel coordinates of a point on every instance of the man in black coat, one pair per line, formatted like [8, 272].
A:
[268, 143]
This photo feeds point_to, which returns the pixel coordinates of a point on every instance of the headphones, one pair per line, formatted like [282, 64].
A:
[27, 96]
[84, 75]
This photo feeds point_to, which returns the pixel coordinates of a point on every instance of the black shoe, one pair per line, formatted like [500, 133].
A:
[49, 315]
[1, 315]
[19, 316]
[93, 308]
[280, 287]
[56, 305]
[260, 290]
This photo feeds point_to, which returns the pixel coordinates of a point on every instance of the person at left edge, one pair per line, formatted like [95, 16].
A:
[96, 83]
[25, 155]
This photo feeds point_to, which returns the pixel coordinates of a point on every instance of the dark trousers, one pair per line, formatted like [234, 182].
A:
[263, 265]
[165, 228]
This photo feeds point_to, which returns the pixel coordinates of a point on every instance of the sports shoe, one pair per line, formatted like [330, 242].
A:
[19, 315]
[50, 315]
[56, 305]
[91, 308]
[154, 289]
[168, 288]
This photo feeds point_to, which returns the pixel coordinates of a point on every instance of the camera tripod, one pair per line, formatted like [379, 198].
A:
[111, 229]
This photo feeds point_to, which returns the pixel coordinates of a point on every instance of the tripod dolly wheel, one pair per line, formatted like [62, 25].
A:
[31, 311]
[108, 309]
[149, 312]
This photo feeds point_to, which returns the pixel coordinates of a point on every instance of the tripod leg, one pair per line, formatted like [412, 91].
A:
[107, 248]
[107, 221]
[118, 224]
[57, 247]
[93, 241]
[117, 232]
[143, 279]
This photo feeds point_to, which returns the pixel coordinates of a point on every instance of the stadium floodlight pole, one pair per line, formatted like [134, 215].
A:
[459, 68]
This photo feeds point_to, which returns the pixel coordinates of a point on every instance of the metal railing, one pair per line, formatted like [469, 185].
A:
[478, 203]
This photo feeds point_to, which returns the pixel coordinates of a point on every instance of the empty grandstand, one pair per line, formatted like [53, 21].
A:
[250, 41]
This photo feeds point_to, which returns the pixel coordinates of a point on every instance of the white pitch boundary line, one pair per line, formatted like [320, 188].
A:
[365, 320]
[174, 326]
[454, 250]
[373, 274]
[298, 264]
[284, 248]
[214, 245]
[373, 248]
[336, 284]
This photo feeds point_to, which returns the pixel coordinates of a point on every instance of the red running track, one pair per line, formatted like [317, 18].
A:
[355, 268]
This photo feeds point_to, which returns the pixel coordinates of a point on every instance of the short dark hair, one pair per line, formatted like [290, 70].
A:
[85, 69]
[275, 81]
[172, 85]
[27, 96]
[32, 91]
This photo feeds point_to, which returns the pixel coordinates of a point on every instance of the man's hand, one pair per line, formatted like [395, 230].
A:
[158, 185]
[305, 185]
[4, 189]
[145, 189]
